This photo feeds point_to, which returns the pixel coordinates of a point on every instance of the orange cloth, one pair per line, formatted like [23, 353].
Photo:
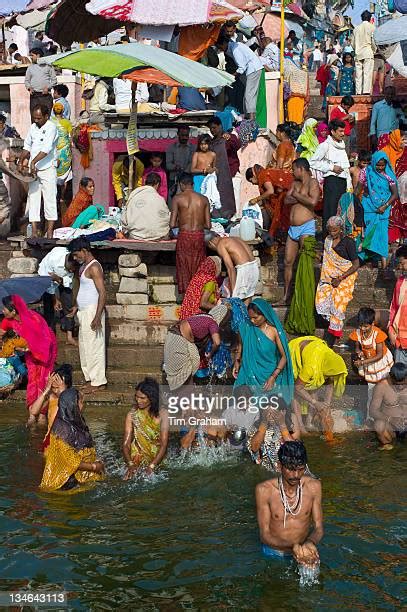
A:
[285, 151]
[395, 148]
[195, 39]
[80, 202]
[281, 181]
[296, 109]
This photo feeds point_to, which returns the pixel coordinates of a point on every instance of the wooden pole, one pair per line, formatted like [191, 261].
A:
[83, 102]
[282, 34]
[131, 164]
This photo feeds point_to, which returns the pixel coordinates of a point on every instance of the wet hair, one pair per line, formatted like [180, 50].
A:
[249, 174]
[150, 388]
[85, 180]
[398, 372]
[153, 179]
[37, 51]
[44, 110]
[348, 100]
[186, 179]
[203, 138]
[209, 235]
[402, 252]
[335, 124]
[366, 316]
[13, 46]
[365, 156]
[8, 303]
[125, 39]
[77, 244]
[366, 16]
[292, 454]
[301, 162]
[62, 90]
[65, 372]
[214, 121]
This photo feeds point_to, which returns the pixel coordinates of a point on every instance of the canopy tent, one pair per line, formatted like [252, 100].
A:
[168, 12]
[114, 60]
[391, 37]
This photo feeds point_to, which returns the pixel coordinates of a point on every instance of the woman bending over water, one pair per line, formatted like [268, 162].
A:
[69, 450]
[145, 431]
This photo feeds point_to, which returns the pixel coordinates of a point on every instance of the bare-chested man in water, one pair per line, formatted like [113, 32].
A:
[240, 263]
[388, 407]
[191, 214]
[286, 507]
[304, 196]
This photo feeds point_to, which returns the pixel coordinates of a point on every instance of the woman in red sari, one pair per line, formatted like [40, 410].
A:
[398, 215]
[42, 346]
[202, 293]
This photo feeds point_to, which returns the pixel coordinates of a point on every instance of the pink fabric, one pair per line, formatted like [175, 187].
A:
[188, 12]
[163, 189]
[42, 344]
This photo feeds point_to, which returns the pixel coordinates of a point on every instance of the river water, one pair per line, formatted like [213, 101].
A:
[187, 539]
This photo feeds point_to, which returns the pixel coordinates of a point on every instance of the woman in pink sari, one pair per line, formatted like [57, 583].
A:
[42, 346]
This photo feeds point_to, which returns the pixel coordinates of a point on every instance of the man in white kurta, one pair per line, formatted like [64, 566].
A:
[90, 309]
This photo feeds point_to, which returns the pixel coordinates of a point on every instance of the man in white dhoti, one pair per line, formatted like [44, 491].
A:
[90, 308]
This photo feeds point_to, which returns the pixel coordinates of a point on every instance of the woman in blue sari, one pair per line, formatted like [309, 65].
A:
[378, 184]
[332, 86]
[263, 361]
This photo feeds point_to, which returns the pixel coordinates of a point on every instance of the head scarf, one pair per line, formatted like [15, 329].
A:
[320, 128]
[35, 331]
[377, 182]
[332, 58]
[286, 378]
[308, 139]
[58, 108]
[208, 271]
[395, 148]
[336, 220]
[69, 424]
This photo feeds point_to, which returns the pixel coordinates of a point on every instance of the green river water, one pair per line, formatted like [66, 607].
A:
[188, 538]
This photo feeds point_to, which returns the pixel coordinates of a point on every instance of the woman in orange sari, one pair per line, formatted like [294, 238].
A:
[275, 181]
[81, 201]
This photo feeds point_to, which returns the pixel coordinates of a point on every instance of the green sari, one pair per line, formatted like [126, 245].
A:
[260, 357]
[301, 315]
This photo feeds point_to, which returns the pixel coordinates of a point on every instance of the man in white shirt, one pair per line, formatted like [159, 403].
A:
[39, 152]
[59, 266]
[365, 49]
[330, 158]
[249, 69]
[146, 215]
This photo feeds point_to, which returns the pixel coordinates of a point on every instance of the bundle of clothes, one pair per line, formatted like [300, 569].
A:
[12, 366]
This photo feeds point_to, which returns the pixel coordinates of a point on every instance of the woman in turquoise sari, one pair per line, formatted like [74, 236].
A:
[378, 184]
[262, 361]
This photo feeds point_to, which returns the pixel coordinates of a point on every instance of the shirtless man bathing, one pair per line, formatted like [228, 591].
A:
[388, 407]
[304, 195]
[240, 263]
[287, 505]
[190, 213]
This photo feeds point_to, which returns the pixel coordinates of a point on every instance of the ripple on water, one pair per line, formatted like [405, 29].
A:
[187, 537]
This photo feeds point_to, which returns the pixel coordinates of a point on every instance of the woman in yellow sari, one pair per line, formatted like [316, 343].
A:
[64, 151]
[316, 365]
[146, 430]
[338, 276]
[69, 451]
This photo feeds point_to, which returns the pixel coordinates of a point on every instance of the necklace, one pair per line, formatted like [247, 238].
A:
[295, 508]
[366, 336]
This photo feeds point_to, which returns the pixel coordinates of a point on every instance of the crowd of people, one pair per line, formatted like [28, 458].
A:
[187, 192]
